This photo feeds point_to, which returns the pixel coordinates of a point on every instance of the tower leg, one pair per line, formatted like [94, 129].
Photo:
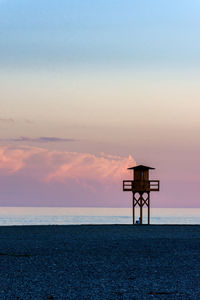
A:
[148, 208]
[133, 208]
[141, 208]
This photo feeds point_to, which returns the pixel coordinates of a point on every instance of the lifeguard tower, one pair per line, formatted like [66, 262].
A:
[141, 187]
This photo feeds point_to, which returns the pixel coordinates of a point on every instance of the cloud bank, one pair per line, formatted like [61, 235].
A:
[38, 176]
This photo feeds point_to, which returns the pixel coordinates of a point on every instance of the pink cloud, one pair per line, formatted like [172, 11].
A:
[13, 159]
[84, 171]
[33, 176]
[89, 167]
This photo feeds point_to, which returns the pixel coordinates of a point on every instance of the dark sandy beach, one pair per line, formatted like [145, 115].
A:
[100, 262]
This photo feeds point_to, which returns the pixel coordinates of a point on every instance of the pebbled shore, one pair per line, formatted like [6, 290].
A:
[100, 262]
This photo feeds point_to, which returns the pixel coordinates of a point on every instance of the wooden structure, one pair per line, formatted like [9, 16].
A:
[141, 187]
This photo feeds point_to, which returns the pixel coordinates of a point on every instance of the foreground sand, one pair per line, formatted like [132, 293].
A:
[100, 262]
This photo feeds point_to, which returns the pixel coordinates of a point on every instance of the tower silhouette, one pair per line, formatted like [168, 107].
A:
[141, 187]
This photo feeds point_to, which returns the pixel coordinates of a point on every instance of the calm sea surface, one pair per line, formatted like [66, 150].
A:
[68, 215]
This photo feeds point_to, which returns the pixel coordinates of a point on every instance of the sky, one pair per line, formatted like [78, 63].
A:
[89, 88]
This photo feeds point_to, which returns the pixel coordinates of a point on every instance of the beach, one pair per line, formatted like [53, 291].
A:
[100, 262]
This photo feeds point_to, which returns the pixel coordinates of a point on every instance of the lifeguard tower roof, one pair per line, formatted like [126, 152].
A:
[141, 167]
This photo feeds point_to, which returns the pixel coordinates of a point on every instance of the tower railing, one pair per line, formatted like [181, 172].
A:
[154, 185]
[141, 186]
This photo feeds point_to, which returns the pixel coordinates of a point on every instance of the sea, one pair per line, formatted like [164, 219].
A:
[10, 216]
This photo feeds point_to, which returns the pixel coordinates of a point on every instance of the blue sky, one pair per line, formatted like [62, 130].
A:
[109, 33]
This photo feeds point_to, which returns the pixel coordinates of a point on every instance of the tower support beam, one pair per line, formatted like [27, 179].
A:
[141, 206]
[141, 202]
[133, 209]
[148, 208]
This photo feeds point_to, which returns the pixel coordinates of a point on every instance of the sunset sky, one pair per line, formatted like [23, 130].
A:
[89, 88]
